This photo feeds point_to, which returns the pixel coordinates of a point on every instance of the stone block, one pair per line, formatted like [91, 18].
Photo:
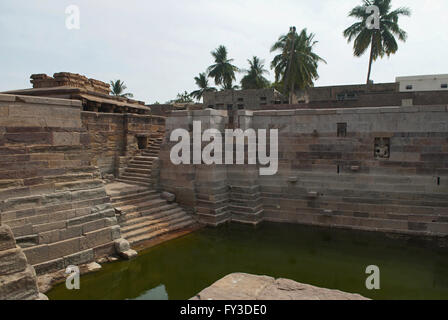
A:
[102, 236]
[19, 286]
[63, 248]
[66, 138]
[7, 240]
[122, 245]
[79, 258]
[49, 266]
[129, 254]
[12, 261]
[37, 254]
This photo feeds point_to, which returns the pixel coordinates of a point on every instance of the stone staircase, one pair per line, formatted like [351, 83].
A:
[139, 169]
[246, 204]
[56, 205]
[143, 215]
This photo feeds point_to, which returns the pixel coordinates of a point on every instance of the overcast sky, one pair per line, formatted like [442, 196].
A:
[158, 47]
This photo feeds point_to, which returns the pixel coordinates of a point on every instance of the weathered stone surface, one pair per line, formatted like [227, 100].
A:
[17, 278]
[129, 255]
[19, 286]
[240, 286]
[122, 245]
[6, 238]
[169, 197]
[11, 261]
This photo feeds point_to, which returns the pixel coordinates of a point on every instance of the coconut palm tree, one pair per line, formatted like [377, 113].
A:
[183, 97]
[117, 89]
[381, 41]
[202, 83]
[254, 78]
[296, 64]
[223, 71]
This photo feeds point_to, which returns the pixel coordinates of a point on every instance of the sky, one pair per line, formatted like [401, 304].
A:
[158, 47]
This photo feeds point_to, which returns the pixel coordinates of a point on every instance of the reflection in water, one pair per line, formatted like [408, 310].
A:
[158, 293]
[334, 259]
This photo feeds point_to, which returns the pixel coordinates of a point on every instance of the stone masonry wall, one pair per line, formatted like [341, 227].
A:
[373, 168]
[379, 169]
[51, 192]
[18, 279]
[113, 138]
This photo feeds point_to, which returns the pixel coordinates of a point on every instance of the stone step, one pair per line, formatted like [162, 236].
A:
[138, 170]
[140, 207]
[136, 200]
[139, 166]
[359, 223]
[177, 225]
[27, 241]
[78, 185]
[143, 159]
[64, 210]
[152, 154]
[140, 176]
[150, 221]
[372, 197]
[119, 190]
[236, 208]
[135, 178]
[134, 216]
[43, 200]
[65, 248]
[245, 196]
[141, 162]
[60, 220]
[132, 181]
[132, 195]
[155, 213]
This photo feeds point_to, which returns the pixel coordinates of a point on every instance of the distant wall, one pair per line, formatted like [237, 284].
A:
[111, 136]
[380, 169]
[388, 171]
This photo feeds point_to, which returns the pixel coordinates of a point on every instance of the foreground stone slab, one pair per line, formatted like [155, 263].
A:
[240, 286]
[17, 278]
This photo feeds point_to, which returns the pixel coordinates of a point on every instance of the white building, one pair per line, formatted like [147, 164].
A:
[423, 83]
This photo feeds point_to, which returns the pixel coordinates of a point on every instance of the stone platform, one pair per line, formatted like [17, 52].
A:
[240, 286]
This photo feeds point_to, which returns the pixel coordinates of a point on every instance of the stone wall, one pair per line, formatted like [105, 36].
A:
[18, 279]
[114, 137]
[380, 169]
[372, 168]
[51, 192]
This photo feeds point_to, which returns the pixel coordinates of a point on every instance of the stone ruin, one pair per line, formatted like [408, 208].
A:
[376, 169]
[73, 80]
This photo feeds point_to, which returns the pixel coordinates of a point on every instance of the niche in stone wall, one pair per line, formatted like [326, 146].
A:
[382, 148]
[342, 129]
[142, 142]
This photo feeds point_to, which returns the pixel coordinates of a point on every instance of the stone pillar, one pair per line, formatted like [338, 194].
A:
[245, 198]
[211, 180]
[199, 187]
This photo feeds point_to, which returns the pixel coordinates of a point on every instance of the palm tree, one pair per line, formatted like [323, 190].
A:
[223, 71]
[296, 64]
[117, 89]
[182, 98]
[202, 83]
[254, 78]
[381, 41]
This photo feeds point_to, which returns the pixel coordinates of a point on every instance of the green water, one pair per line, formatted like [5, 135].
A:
[327, 258]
